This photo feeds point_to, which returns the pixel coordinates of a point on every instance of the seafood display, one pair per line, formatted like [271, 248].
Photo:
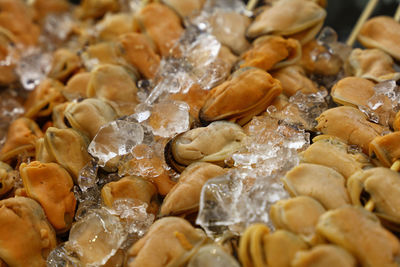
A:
[169, 133]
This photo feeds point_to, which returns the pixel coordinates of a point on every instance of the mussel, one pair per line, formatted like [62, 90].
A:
[350, 125]
[298, 215]
[194, 145]
[322, 183]
[225, 102]
[324, 255]
[68, 148]
[184, 197]
[26, 237]
[378, 190]
[51, 185]
[334, 153]
[170, 241]
[359, 232]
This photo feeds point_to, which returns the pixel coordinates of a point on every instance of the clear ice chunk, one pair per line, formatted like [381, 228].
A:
[198, 64]
[271, 147]
[88, 176]
[96, 238]
[245, 194]
[329, 38]
[169, 118]
[133, 216]
[384, 104]
[60, 257]
[235, 200]
[310, 106]
[56, 29]
[33, 67]
[227, 5]
[10, 109]
[115, 139]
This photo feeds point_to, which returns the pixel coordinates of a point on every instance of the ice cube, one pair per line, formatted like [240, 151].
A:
[237, 199]
[329, 38]
[33, 67]
[197, 64]
[383, 105]
[88, 176]
[133, 216]
[218, 203]
[310, 106]
[56, 28]
[96, 237]
[227, 5]
[60, 257]
[271, 147]
[115, 139]
[169, 118]
[244, 195]
[144, 162]
[10, 109]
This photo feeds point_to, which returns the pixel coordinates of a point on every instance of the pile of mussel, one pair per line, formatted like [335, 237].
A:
[344, 208]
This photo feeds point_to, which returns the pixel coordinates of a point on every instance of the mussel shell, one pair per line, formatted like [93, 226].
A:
[76, 86]
[68, 148]
[89, 115]
[287, 17]
[294, 79]
[324, 255]
[334, 153]
[281, 247]
[51, 186]
[65, 63]
[185, 195]
[44, 98]
[252, 245]
[272, 52]
[359, 232]
[139, 52]
[382, 186]
[386, 148]
[230, 30]
[373, 64]
[171, 238]
[381, 32]
[353, 91]
[350, 125]
[130, 187]
[322, 183]
[193, 146]
[21, 138]
[225, 102]
[26, 237]
[115, 85]
[161, 24]
[212, 255]
[6, 179]
[298, 215]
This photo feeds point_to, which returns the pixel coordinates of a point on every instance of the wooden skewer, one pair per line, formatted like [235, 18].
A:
[370, 206]
[395, 166]
[397, 14]
[364, 16]
[251, 5]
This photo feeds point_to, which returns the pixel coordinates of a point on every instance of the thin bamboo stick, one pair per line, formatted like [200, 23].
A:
[397, 14]
[251, 5]
[361, 20]
[395, 166]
